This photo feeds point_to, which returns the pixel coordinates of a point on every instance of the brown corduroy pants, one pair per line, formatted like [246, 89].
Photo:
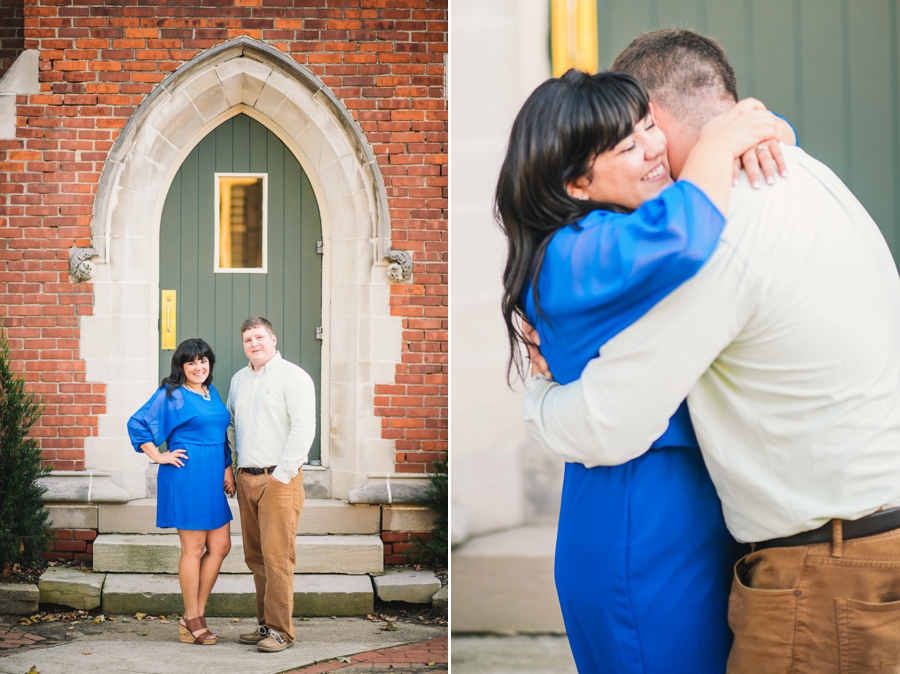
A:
[818, 609]
[270, 511]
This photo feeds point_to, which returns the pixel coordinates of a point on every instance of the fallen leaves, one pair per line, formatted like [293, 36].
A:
[140, 616]
[73, 617]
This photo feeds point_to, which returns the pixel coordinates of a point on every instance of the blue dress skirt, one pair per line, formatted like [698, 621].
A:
[191, 496]
[643, 566]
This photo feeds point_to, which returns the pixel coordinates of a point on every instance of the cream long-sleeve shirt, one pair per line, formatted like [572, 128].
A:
[787, 347]
[273, 417]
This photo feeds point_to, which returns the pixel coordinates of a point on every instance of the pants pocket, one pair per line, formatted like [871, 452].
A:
[869, 636]
[764, 625]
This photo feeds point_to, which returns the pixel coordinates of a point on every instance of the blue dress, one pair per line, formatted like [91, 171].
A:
[643, 558]
[190, 496]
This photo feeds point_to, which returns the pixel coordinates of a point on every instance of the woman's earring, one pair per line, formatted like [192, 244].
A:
[583, 197]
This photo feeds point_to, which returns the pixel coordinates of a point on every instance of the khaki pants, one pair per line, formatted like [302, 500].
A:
[270, 511]
[818, 609]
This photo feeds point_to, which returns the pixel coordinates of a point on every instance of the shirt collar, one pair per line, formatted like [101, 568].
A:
[272, 363]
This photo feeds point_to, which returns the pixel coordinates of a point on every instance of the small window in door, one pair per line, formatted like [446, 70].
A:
[241, 222]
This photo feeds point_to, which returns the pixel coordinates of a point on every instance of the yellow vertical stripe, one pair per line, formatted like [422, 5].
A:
[573, 35]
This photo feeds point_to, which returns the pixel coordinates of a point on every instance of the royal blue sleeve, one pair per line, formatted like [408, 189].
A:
[599, 278]
[156, 419]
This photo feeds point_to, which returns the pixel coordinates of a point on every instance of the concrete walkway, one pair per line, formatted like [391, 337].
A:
[511, 655]
[151, 647]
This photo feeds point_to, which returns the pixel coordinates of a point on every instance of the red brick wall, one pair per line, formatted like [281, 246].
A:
[12, 32]
[99, 60]
[72, 544]
[397, 545]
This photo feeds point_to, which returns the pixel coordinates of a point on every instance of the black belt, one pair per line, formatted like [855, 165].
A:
[876, 523]
[257, 471]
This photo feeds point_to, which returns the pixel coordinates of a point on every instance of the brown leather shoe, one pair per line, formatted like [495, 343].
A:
[186, 630]
[273, 643]
[255, 636]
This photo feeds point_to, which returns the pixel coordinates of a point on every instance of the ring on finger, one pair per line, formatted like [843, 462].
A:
[760, 148]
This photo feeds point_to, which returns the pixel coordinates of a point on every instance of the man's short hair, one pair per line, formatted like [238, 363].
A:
[257, 322]
[677, 66]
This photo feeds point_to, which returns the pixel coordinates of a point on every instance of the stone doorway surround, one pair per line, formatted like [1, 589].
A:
[362, 341]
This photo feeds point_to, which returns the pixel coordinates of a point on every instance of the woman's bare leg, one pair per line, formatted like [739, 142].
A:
[192, 544]
[218, 543]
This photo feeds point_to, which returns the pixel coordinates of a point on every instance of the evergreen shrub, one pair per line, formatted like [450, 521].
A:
[23, 521]
[433, 552]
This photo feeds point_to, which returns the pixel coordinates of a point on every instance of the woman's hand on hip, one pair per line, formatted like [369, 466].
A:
[174, 457]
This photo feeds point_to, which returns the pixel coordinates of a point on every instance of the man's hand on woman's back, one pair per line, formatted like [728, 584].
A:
[533, 342]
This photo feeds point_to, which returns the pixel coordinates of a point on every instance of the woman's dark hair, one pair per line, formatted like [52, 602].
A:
[187, 352]
[563, 126]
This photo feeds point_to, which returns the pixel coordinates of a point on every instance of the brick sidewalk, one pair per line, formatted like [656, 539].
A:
[425, 656]
[13, 642]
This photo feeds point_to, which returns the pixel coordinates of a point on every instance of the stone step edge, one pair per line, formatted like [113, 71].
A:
[235, 595]
[319, 517]
[354, 554]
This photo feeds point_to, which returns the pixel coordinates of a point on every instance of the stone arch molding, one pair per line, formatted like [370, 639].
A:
[362, 342]
[241, 75]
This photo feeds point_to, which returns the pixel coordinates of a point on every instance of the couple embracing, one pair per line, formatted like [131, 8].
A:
[268, 424]
[732, 497]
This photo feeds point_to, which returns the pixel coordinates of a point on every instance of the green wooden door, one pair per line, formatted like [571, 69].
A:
[830, 66]
[212, 305]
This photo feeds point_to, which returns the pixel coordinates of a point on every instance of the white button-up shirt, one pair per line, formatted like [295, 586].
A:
[273, 417]
[787, 346]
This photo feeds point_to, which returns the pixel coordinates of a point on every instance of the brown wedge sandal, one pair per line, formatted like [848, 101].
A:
[186, 630]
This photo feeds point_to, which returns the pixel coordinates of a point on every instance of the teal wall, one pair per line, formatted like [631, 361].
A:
[829, 66]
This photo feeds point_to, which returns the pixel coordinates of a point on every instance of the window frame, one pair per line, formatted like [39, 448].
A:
[265, 223]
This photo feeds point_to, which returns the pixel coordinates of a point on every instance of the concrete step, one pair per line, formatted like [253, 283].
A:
[71, 587]
[159, 553]
[319, 516]
[503, 583]
[235, 595]
[407, 585]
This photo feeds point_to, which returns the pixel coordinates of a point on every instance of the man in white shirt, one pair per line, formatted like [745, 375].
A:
[273, 424]
[786, 346]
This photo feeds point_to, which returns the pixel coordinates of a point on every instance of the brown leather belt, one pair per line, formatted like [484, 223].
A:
[876, 523]
[257, 471]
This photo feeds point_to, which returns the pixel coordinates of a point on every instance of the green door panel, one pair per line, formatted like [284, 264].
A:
[212, 305]
[831, 67]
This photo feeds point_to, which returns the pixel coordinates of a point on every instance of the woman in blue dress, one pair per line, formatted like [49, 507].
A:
[187, 414]
[598, 233]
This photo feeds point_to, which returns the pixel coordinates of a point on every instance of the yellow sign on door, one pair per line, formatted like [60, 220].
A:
[573, 36]
[168, 319]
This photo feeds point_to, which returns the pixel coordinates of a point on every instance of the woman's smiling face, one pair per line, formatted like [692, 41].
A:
[633, 171]
[196, 371]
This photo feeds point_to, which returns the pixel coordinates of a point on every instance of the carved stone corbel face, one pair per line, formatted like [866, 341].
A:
[400, 268]
[80, 265]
